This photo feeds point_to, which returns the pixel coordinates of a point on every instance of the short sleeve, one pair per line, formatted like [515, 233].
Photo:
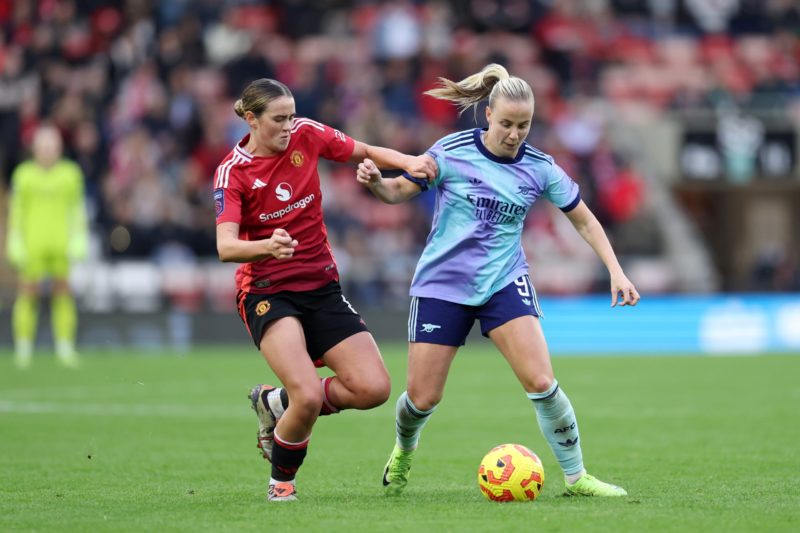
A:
[228, 201]
[561, 190]
[333, 144]
[437, 153]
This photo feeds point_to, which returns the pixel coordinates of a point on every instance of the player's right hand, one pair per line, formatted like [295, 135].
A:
[423, 166]
[368, 173]
[281, 245]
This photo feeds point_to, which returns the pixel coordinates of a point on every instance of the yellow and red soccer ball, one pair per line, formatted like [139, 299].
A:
[511, 472]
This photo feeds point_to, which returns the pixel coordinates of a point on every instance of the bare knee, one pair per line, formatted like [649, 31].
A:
[424, 400]
[371, 392]
[305, 401]
[29, 289]
[539, 383]
[61, 287]
[377, 391]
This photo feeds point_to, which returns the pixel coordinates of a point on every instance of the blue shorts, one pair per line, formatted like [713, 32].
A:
[440, 322]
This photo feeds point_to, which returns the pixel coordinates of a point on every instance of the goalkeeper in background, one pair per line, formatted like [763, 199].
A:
[47, 230]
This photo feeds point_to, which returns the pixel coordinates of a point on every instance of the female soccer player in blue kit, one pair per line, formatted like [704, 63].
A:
[473, 267]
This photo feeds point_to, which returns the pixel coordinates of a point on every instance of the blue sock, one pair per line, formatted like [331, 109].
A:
[410, 422]
[559, 426]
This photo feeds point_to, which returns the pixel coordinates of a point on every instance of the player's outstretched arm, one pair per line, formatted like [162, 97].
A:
[233, 249]
[420, 166]
[622, 290]
[389, 191]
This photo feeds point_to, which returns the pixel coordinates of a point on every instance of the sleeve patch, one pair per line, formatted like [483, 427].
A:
[219, 201]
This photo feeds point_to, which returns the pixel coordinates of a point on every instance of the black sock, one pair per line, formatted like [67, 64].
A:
[287, 458]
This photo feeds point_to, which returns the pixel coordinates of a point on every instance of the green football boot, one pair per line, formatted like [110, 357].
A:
[589, 485]
[395, 475]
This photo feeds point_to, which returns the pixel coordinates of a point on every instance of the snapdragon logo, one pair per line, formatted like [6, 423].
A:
[283, 191]
[299, 204]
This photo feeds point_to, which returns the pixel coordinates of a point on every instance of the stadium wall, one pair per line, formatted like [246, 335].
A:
[576, 325]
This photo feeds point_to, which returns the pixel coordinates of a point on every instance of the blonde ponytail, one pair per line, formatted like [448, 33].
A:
[492, 81]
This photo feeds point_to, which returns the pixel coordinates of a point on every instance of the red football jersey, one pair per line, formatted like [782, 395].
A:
[263, 194]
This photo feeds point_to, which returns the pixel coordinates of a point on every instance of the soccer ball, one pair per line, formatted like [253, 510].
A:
[511, 472]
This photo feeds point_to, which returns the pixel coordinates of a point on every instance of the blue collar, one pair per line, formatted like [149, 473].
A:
[496, 158]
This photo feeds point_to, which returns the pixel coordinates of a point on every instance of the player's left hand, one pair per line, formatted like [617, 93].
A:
[623, 291]
[422, 166]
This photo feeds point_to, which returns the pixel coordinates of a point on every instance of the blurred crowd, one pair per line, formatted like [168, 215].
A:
[143, 92]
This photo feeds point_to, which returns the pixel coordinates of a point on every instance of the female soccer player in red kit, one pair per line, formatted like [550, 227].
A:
[269, 218]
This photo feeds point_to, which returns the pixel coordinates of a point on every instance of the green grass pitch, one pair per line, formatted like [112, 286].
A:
[133, 442]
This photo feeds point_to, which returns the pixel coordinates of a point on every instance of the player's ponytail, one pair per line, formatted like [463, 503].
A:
[492, 81]
[238, 107]
[257, 96]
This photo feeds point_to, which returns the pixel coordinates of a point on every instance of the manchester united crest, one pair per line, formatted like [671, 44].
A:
[297, 158]
[263, 307]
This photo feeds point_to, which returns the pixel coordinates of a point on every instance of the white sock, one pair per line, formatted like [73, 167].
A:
[23, 348]
[65, 349]
[560, 427]
[273, 481]
[572, 478]
[409, 422]
[23, 354]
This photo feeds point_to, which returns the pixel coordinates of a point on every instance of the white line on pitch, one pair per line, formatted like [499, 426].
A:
[85, 409]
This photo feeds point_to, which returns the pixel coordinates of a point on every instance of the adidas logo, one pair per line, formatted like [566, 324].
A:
[475, 181]
[569, 443]
[258, 184]
[526, 301]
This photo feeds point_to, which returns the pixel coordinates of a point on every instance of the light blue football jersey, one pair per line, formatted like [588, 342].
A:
[474, 248]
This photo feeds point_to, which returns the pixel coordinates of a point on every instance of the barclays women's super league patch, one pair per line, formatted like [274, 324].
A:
[219, 201]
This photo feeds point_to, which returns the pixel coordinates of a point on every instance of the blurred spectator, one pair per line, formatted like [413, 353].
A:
[18, 85]
[142, 92]
[397, 30]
